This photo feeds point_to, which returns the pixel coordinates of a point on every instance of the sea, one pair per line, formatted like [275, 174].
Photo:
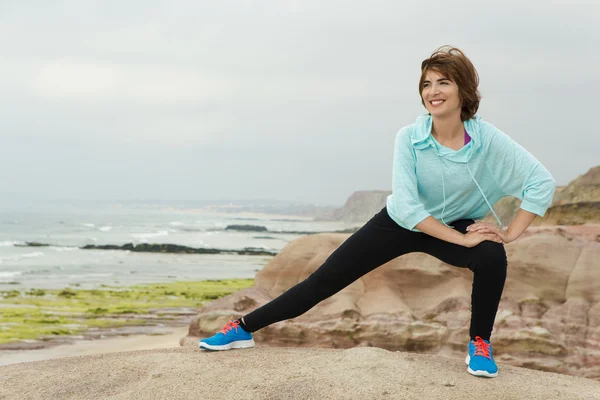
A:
[67, 229]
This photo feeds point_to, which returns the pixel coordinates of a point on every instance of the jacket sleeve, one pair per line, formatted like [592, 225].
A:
[517, 172]
[405, 196]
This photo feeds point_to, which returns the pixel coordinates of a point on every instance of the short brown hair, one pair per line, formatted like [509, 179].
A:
[452, 63]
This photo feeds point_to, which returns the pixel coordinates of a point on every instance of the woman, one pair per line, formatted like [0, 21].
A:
[449, 166]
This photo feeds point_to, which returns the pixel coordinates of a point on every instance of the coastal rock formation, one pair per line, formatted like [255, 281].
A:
[246, 228]
[163, 248]
[549, 316]
[359, 207]
[577, 203]
[585, 188]
[571, 214]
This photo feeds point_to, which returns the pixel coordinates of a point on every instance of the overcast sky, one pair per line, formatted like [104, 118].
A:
[287, 100]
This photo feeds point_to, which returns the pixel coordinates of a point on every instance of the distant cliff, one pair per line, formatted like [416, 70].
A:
[359, 207]
[584, 189]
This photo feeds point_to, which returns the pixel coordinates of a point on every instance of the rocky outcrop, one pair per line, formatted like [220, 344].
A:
[246, 228]
[359, 207]
[549, 316]
[586, 188]
[578, 203]
[571, 214]
[177, 249]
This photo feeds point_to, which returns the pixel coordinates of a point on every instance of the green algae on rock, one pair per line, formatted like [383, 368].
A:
[43, 314]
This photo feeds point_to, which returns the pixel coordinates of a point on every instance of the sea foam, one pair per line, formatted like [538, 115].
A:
[10, 243]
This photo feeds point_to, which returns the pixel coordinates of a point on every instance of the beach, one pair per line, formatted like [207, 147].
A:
[98, 346]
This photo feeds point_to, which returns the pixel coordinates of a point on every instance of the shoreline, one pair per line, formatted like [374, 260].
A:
[88, 347]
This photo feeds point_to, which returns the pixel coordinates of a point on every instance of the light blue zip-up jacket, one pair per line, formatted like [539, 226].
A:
[430, 179]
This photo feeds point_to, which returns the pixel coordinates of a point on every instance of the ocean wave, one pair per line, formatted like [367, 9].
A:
[9, 274]
[21, 256]
[62, 248]
[32, 255]
[10, 243]
[105, 228]
[150, 235]
[38, 272]
[88, 225]
[176, 223]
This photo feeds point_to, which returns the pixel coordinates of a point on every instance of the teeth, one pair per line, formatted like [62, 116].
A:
[436, 102]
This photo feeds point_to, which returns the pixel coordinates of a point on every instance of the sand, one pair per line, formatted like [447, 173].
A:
[99, 346]
[278, 373]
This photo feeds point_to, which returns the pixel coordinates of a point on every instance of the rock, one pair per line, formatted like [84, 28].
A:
[359, 207]
[549, 316]
[584, 189]
[577, 203]
[177, 249]
[571, 214]
[246, 228]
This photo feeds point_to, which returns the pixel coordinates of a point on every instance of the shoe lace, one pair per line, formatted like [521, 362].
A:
[233, 324]
[481, 348]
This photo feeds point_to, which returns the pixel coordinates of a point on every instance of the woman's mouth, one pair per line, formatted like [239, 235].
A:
[436, 103]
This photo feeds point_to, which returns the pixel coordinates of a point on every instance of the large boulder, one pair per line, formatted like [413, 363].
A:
[549, 316]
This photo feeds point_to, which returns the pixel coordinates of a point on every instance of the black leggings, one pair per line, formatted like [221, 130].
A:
[379, 241]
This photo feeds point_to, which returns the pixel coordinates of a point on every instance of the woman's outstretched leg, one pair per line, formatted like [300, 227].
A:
[377, 242]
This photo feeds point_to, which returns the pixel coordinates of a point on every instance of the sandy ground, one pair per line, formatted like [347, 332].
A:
[100, 346]
[278, 373]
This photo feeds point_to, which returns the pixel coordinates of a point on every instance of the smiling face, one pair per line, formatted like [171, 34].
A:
[440, 96]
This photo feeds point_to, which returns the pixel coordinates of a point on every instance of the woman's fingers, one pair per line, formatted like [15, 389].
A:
[493, 237]
[495, 231]
[484, 229]
[478, 226]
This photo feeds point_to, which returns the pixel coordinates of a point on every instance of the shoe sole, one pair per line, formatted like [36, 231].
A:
[239, 344]
[484, 374]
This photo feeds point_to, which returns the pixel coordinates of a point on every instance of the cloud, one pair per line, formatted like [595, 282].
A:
[288, 100]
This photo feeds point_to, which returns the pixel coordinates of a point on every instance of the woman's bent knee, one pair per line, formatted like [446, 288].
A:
[489, 257]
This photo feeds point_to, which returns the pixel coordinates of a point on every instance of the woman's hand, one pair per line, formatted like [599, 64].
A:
[486, 228]
[472, 239]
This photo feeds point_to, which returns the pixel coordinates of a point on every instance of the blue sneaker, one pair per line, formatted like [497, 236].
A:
[232, 336]
[480, 359]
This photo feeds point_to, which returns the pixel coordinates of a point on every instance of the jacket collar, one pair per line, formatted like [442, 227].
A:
[421, 138]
